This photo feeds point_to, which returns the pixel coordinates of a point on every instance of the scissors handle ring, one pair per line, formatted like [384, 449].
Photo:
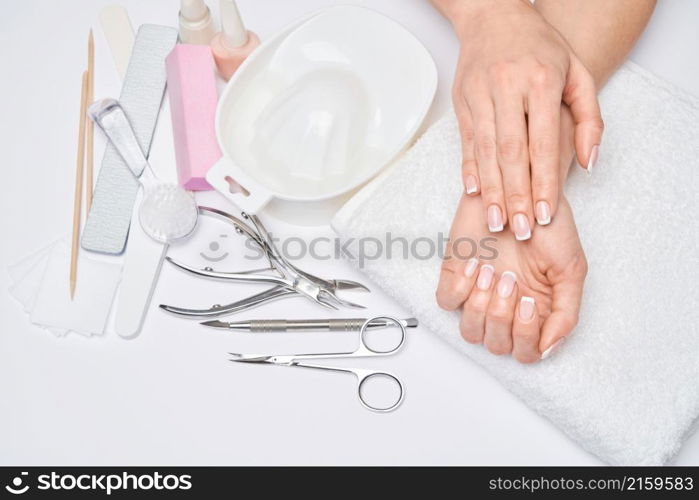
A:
[364, 376]
[363, 346]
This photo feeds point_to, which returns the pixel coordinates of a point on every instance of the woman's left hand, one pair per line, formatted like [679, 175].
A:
[514, 71]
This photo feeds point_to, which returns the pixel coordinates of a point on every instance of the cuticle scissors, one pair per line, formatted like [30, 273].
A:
[362, 375]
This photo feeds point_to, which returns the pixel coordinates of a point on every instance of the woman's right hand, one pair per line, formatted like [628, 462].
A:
[514, 70]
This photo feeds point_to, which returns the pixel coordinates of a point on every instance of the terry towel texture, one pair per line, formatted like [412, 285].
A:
[625, 385]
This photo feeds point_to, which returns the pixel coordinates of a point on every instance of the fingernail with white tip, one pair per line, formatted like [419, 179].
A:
[521, 227]
[526, 308]
[594, 154]
[552, 348]
[495, 223]
[506, 284]
[471, 184]
[485, 277]
[543, 213]
[470, 267]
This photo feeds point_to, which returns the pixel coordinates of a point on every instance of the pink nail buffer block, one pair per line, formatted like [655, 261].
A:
[191, 86]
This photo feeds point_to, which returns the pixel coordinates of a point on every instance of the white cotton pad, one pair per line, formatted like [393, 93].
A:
[624, 383]
[168, 212]
[22, 267]
[27, 275]
[87, 313]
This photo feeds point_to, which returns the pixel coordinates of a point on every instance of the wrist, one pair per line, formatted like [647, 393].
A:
[460, 11]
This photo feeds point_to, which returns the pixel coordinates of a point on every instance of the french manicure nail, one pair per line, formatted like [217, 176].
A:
[471, 184]
[471, 267]
[485, 277]
[506, 284]
[521, 227]
[543, 213]
[495, 223]
[526, 308]
[552, 348]
[594, 154]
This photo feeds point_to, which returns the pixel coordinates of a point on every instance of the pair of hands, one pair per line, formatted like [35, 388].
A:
[523, 101]
[526, 299]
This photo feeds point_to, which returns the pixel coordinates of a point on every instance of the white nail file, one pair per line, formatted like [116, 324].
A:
[117, 29]
[107, 224]
[144, 256]
[142, 263]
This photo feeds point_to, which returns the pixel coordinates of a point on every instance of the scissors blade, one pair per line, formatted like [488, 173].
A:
[349, 285]
[272, 359]
[250, 358]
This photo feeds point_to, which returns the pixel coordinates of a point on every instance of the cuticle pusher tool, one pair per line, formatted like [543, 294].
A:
[298, 325]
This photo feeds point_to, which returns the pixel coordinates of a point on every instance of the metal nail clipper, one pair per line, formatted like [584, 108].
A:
[288, 280]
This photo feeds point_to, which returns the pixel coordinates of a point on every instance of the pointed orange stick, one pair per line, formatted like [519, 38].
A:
[90, 125]
[78, 186]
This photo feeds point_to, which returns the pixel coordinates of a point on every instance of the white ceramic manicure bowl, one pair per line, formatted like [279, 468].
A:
[320, 108]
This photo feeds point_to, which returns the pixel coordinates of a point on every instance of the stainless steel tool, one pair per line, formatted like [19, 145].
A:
[297, 325]
[363, 350]
[288, 280]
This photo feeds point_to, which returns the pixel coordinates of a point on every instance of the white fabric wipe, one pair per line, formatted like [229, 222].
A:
[27, 275]
[624, 385]
[40, 284]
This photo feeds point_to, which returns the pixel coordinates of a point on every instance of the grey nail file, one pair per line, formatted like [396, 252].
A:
[107, 225]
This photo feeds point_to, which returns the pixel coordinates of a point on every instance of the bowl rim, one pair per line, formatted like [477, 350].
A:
[361, 180]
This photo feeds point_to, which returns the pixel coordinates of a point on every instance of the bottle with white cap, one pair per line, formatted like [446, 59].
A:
[234, 43]
[196, 25]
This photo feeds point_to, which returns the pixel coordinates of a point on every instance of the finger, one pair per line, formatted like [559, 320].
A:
[456, 281]
[513, 159]
[501, 310]
[490, 178]
[525, 331]
[459, 267]
[565, 308]
[469, 167]
[544, 135]
[581, 95]
[472, 324]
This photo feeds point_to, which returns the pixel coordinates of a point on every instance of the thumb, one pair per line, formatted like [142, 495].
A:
[580, 94]
[565, 307]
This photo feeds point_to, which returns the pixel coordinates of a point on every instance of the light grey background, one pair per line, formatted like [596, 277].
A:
[169, 397]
